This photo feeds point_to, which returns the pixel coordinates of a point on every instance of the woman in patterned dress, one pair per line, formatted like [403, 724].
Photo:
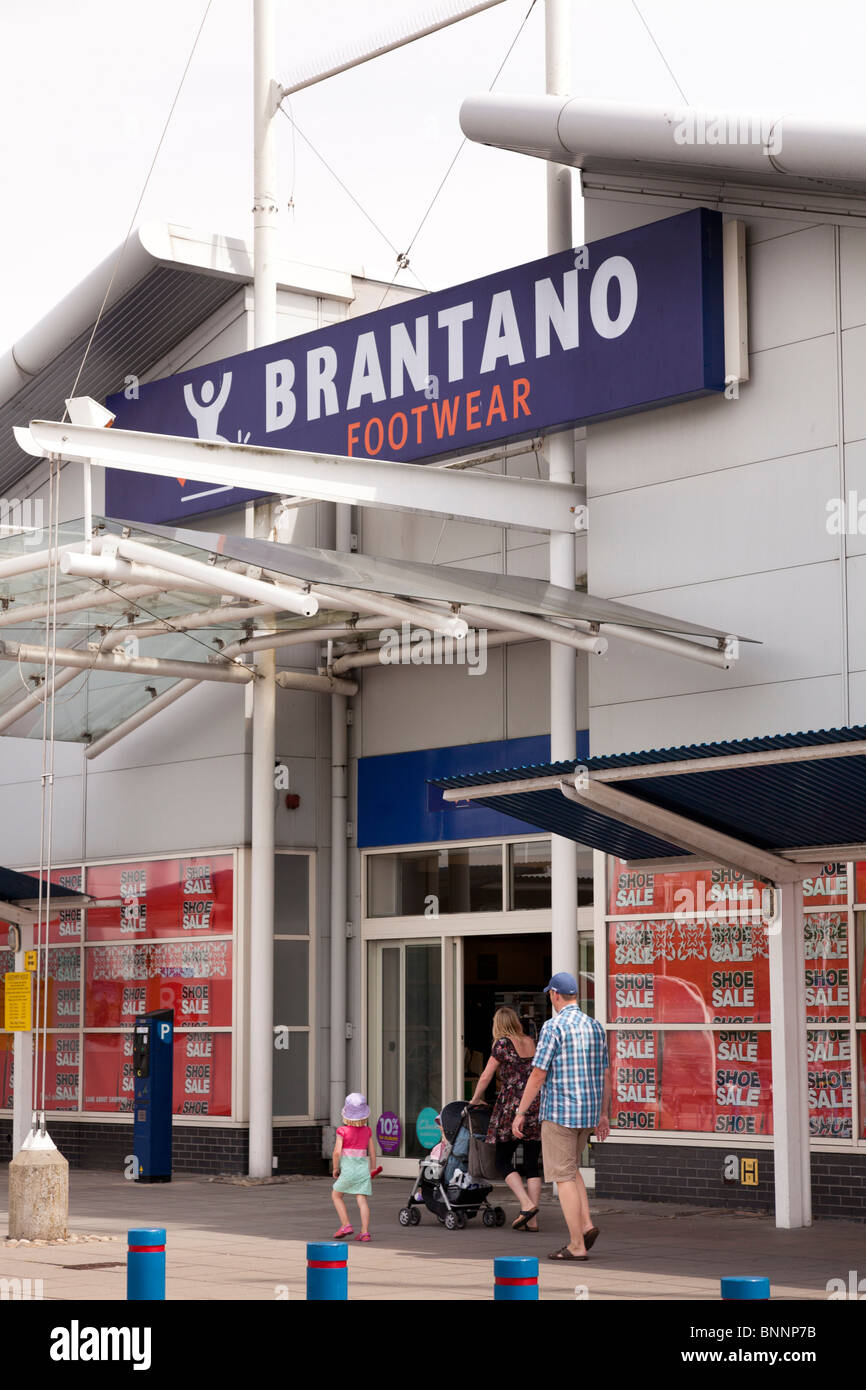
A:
[511, 1059]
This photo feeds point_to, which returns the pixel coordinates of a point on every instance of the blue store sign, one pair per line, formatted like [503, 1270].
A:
[623, 324]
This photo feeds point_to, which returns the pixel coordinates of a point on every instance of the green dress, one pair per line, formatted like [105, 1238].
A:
[354, 1176]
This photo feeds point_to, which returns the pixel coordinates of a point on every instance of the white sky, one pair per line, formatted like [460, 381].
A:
[85, 88]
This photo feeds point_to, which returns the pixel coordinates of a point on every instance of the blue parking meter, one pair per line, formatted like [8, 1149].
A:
[153, 1065]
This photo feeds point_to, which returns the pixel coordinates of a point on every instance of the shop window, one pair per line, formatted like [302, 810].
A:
[860, 967]
[828, 989]
[708, 1081]
[291, 1084]
[291, 983]
[109, 1080]
[291, 895]
[828, 1055]
[202, 1078]
[432, 882]
[162, 898]
[688, 971]
[193, 978]
[529, 875]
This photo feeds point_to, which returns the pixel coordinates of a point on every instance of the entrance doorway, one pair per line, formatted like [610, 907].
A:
[500, 972]
[429, 1019]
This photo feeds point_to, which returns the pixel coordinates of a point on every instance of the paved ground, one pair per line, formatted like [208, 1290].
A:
[232, 1242]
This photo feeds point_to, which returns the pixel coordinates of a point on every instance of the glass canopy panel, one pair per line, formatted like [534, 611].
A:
[94, 702]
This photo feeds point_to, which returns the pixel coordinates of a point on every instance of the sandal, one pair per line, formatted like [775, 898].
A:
[565, 1254]
[591, 1236]
[523, 1218]
[365, 1236]
[344, 1231]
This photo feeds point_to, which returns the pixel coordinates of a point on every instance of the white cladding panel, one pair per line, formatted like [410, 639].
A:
[744, 712]
[792, 612]
[408, 707]
[712, 526]
[788, 407]
[146, 810]
[717, 509]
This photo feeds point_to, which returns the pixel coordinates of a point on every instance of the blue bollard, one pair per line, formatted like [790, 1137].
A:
[327, 1272]
[515, 1278]
[145, 1264]
[737, 1287]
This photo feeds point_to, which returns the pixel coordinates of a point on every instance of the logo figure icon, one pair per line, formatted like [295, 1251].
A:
[206, 412]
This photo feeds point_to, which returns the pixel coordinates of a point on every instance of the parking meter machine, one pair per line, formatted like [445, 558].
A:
[153, 1063]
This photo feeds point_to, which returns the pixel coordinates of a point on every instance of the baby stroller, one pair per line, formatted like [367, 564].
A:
[446, 1186]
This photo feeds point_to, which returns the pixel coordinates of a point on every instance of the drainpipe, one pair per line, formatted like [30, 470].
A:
[339, 864]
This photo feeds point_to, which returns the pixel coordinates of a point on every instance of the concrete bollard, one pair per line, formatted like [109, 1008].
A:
[327, 1272]
[515, 1278]
[145, 1264]
[739, 1287]
[38, 1193]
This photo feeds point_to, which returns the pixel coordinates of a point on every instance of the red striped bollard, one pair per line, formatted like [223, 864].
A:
[327, 1271]
[515, 1278]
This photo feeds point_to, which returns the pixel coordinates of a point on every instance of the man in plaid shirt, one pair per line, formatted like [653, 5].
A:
[571, 1068]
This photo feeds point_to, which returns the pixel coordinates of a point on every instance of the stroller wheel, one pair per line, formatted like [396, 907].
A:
[451, 1221]
[489, 1217]
[405, 1216]
[414, 1216]
[461, 1221]
[499, 1216]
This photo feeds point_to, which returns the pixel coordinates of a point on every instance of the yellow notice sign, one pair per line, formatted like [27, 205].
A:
[30, 959]
[18, 991]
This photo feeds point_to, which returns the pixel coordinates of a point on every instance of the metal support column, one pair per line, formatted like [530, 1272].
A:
[559, 451]
[790, 1080]
[261, 1052]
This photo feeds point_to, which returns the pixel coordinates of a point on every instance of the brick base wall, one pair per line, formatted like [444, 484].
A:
[194, 1149]
[664, 1173]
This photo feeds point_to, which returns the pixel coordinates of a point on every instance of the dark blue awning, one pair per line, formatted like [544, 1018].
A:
[780, 792]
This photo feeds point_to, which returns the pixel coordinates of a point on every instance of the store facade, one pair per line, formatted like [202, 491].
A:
[713, 510]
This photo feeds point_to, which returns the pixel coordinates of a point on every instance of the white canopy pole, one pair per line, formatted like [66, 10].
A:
[559, 449]
[485, 498]
[266, 98]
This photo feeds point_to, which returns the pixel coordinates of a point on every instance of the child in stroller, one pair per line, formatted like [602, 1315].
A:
[446, 1185]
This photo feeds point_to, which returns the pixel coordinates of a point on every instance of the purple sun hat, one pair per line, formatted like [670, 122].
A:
[355, 1107]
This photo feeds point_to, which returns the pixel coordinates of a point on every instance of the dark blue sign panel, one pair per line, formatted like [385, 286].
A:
[398, 805]
[623, 324]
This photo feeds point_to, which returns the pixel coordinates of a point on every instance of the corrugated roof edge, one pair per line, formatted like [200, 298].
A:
[683, 752]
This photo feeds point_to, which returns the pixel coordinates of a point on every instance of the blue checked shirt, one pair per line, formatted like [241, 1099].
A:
[572, 1049]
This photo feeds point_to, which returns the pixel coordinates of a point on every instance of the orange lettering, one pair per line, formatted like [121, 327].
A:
[397, 444]
[497, 405]
[367, 445]
[352, 436]
[472, 410]
[446, 417]
[418, 411]
[520, 396]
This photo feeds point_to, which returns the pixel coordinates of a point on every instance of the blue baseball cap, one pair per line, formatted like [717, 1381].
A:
[563, 983]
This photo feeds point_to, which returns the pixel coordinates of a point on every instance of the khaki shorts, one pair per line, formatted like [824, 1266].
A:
[561, 1149]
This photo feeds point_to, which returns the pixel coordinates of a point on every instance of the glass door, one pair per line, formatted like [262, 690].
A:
[405, 1038]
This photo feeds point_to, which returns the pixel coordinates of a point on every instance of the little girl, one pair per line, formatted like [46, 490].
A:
[353, 1159]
